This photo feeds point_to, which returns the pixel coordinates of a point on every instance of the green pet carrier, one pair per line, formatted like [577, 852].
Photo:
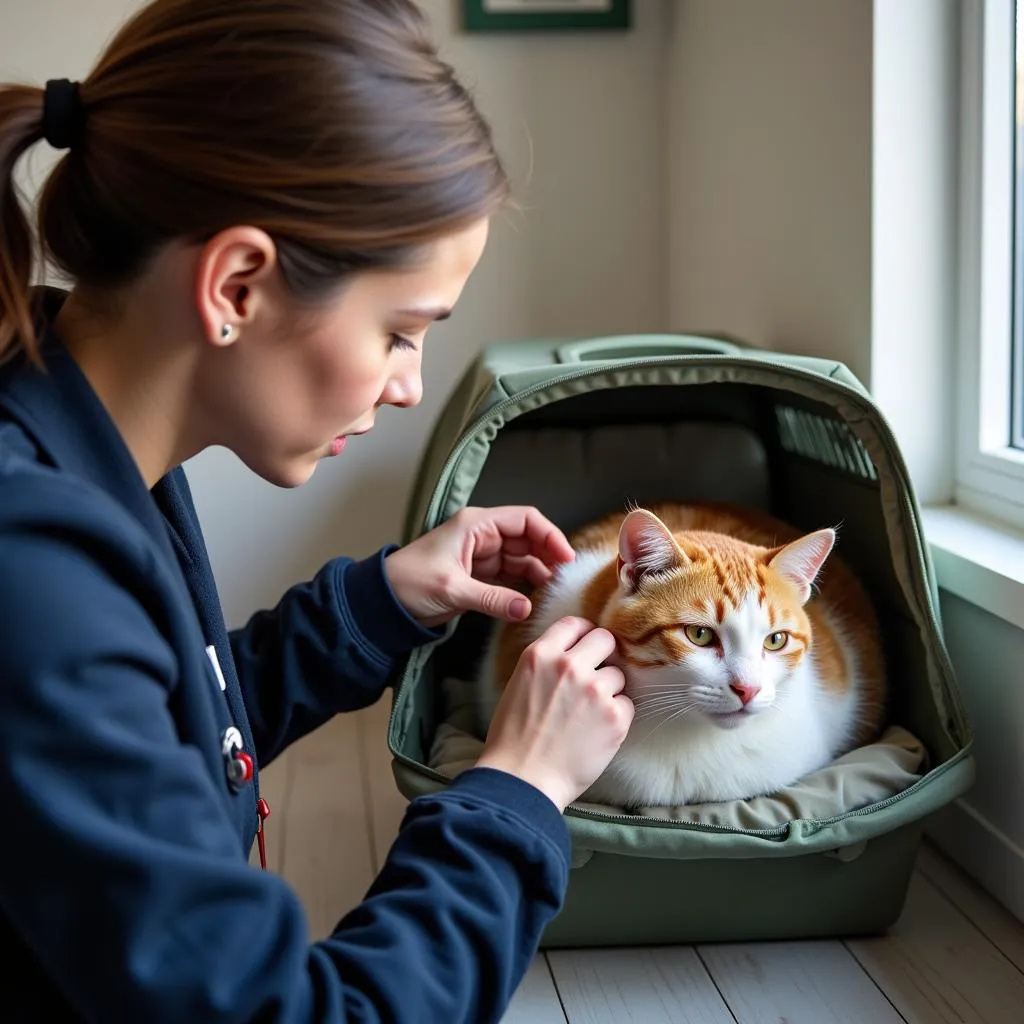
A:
[580, 429]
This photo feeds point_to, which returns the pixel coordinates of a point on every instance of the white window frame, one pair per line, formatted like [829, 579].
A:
[989, 473]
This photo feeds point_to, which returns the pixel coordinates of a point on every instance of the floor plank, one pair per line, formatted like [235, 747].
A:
[796, 982]
[536, 1001]
[386, 805]
[935, 966]
[637, 986]
[990, 917]
[326, 855]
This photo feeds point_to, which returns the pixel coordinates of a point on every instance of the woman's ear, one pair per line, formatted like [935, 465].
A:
[234, 271]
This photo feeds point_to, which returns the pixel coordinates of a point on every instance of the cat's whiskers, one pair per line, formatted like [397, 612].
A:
[675, 691]
[658, 692]
[659, 720]
[665, 700]
[669, 695]
[662, 719]
[671, 709]
[661, 713]
[682, 711]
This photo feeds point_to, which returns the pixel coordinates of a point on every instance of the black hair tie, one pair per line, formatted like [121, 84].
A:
[63, 113]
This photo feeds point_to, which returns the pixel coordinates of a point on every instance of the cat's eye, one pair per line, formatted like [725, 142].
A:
[700, 636]
[775, 641]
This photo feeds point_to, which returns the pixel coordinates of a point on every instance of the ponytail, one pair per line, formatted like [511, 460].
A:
[21, 125]
[333, 125]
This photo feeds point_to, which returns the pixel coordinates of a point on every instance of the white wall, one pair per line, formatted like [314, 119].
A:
[579, 121]
[985, 831]
[812, 192]
[770, 177]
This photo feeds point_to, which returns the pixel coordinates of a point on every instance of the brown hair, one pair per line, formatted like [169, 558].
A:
[331, 124]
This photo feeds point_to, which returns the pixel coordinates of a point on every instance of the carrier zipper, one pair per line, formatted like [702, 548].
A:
[921, 583]
[700, 826]
[777, 830]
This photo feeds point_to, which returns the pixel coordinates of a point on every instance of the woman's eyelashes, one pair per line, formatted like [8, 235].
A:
[400, 341]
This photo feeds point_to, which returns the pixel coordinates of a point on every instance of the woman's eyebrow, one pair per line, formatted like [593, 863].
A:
[427, 312]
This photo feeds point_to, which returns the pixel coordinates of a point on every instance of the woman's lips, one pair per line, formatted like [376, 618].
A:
[337, 446]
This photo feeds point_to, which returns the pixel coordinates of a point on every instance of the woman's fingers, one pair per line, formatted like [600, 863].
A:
[512, 569]
[516, 547]
[528, 568]
[563, 634]
[527, 531]
[610, 680]
[562, 717]
[534, 570]
[594, 648]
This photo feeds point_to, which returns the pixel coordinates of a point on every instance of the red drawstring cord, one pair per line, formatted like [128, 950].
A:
[263, 810]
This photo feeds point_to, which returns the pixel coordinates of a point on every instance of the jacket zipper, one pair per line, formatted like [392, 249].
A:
[262, 813]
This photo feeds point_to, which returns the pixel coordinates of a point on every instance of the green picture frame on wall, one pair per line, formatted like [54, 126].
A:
[545, 15]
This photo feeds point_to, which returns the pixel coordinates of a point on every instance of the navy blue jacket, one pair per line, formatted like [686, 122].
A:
[125, 888]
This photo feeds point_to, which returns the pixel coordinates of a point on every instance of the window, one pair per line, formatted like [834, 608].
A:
[990, 456]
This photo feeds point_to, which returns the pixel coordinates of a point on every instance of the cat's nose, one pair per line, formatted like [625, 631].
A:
[745, 693]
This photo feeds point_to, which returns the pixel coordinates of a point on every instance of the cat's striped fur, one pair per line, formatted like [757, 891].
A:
[737, 715]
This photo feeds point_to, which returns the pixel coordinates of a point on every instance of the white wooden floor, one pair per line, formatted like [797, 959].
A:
[954, 956]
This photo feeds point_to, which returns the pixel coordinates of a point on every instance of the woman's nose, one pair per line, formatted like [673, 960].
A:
[404, 391]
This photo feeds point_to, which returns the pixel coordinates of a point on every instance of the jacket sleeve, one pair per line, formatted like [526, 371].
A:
[328, 646]
[126, 878]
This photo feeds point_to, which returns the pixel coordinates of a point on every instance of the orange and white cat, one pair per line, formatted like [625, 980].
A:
[745, 673]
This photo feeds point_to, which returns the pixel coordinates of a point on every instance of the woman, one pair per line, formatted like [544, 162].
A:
[263, 207]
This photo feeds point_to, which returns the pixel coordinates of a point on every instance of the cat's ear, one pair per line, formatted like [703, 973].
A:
[646, 546]
[800, 561]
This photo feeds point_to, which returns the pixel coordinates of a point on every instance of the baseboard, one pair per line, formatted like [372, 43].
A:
[994, 860]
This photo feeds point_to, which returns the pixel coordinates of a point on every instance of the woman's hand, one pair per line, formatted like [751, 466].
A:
[466, 564]
[562, 716]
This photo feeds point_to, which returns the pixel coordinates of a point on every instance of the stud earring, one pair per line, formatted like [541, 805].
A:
[226, 331]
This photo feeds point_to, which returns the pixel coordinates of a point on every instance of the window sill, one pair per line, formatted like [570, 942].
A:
[978, 559]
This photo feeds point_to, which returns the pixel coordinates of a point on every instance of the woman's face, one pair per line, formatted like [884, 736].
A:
[296, 382]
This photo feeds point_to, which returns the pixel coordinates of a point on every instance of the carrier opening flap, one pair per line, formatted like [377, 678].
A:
[574, 475]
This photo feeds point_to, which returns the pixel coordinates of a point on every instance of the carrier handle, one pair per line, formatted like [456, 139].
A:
[645, 346]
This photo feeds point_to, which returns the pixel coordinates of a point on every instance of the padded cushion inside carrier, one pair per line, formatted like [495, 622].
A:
[858, 779]
[576, 474]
